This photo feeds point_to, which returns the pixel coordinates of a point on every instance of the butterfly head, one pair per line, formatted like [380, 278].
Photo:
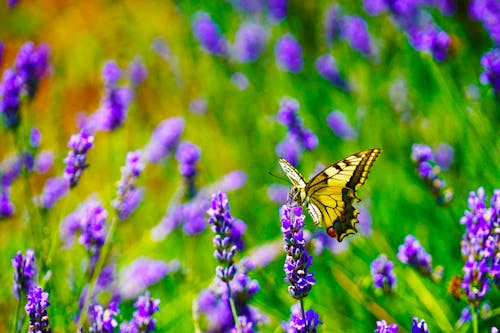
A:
[297, 195]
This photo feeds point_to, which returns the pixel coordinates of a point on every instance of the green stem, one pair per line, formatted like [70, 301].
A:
[15, 326]
[474, 318]
[301, 301]
[233, 307]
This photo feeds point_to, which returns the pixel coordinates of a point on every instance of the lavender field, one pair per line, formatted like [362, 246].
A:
[140, 182]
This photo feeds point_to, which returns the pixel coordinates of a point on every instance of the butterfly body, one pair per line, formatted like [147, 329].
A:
[329, 195]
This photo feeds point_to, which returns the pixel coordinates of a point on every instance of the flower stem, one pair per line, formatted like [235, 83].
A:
[301, 301]
[15, 328]
[233, 307]
[474, 318]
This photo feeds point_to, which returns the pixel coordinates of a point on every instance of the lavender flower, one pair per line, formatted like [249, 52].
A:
[137, 71]
[290, 150]
[465, 316]
[488, 13]
[480, 247]
[355, 30]
[38, 301]
[240, 80]
[245, 325]
[207, 33]
[298, 261]
[491, 65]
[222, 224]
[288, 116]
[332, 24]
[35, 138]
[279, 192]
[10, 101]
[129, 196]
[327, 68]
[288, 53]
[249, 43]
[340, 126]
[44, 161]
[412, 253]
[6, 205]
[375, 7]
[277, 9]
[188, 154]
[32, 64]
[143, 320]
[76, 161]
[440, 45]
[10, 169]
[102, 320]
[141, 274]
[382, 273]
[164, 139]
[419, 327]
[54, 190]
[423, 156]
[24, 273]
[444, 155]
[298, 324]
[198, 105]
[382, 327]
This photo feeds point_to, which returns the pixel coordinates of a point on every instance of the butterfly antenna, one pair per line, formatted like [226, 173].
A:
[278, 176]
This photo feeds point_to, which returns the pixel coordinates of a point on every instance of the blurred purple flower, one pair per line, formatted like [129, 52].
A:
[36, 308]
[198, 105]
[278, 192]
[355, 30]
[383, 327]
[44, 161]
[142, 273]
[142, 320]
[465, 316]
[288, 53]
[187, 155]
[444, 155]
[383, 275]
[92, 218]
[111, 74]
[491, 69]
[245, 325]
[102, 320]
[222, 225]
[193, 216]
[54, 190]
[289, 149]
[137, 71]
[440, 45]
[249, 43]
[76, 161]
[340, 126]
[419, 327]
[35, 137]
[332, 23]
[164, 139]
[298, 261]
[277, 9]
[421, 153]
[321, 241]
[6, 205]
[10, 169]
[375, 7]
[113, 109]
[207, 33]
[24, 273]
[10, 101]
[263, 255]
[32, 64]
[327, 68]
[365, 221]
[299, 324]
[240, 80]
[413, 254]
[488, 13]
[129, 196]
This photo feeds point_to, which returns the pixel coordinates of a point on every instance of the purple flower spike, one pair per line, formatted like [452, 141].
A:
[6, 205]
[298, 261]
[187, 154]
[35, 137]
[54, 190]
[444, 155]
[491, 65]
[137, 71]
[44, 161]
[32, 64]
[340, 126]
[278, 9]
[198, 105]
[76, 161]
[332, 24]
[102, 320]
[222, 225]
[297, 323]
[38, 301]
[288, 53]
[129, 196]
[143, 320]
[375, 7]
[10, 98]
[382, 273]
[249, 42]
[412, 253]
[164, 139]
[419, 327]
[327, 68]
[24, 273]
[111, 74]
[207, 33]
[355, 30]
[383, 327]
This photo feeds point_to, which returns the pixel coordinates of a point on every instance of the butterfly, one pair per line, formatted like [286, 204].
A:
[329, 195]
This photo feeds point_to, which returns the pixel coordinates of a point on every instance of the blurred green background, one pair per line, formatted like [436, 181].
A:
[239, 131]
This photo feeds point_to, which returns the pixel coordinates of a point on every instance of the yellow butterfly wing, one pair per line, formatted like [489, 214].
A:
[332, 192]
